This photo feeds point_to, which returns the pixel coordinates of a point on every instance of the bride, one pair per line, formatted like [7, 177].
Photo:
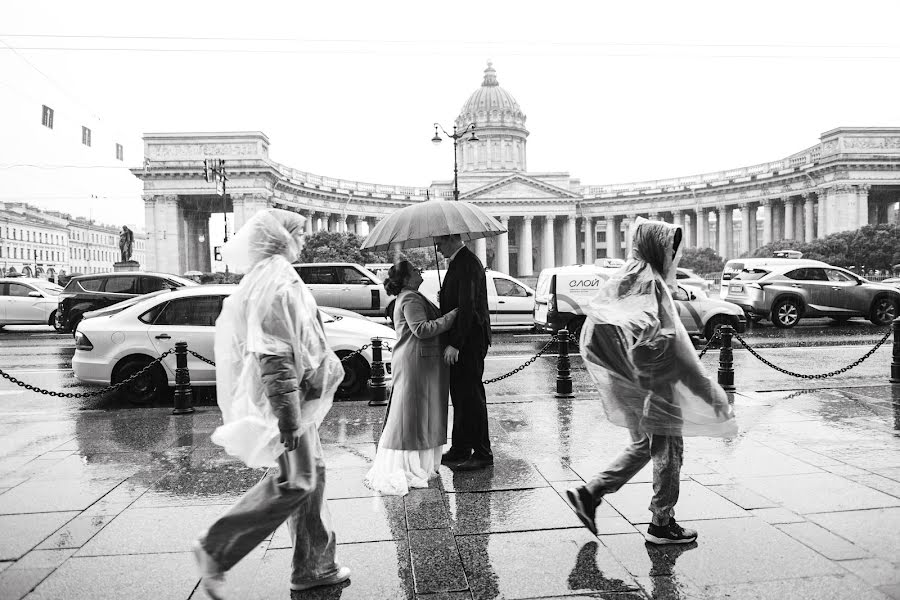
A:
[415, 429]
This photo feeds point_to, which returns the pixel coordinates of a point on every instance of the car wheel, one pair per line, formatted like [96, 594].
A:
[56, 322]
[356, 374]
[884, 310]
[714, 323]
[148, 388]
[786, 313]
[574, 326]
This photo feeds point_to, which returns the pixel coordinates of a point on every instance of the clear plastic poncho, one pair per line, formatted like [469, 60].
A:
[639, 353]
[271, 313]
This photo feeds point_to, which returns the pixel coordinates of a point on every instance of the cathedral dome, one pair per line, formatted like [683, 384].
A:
[491, 104]
[499, 126]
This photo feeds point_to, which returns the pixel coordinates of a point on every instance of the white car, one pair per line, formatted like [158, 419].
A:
[510, 302]
[28, 301]
[113, 343]
[687, 277]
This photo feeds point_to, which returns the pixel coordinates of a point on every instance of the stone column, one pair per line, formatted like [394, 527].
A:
[525, 268]
[767, 221]
[689, 231]
[481, 250]
[777, 220]
[150, 225]
[629, 240]
[798, 220]
[701, 227]
[845, 213]
[612, 238]
[570, 254]
[589, 239]
[358, 226]
[720, 230]
[808, 233]
[729, 230]
[167, 241]
[501, 258]
[862, 204]
[788, 217]
[308, 224]
[754, 235]
[745, 227]
[548, 244]
[678, 221]
[822, 200]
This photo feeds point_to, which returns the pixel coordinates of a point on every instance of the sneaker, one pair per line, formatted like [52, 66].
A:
[212, 578]
[673, 533]
[342, 575]
[584, 505]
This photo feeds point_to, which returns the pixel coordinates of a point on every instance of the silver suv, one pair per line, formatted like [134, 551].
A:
[784, 293]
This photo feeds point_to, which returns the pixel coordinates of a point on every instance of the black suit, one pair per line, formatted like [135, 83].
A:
[465, 288]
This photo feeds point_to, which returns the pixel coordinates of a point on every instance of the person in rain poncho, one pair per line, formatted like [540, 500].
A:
[275, 382]
[650, 379]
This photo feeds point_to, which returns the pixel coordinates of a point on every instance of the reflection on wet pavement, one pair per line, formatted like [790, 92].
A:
[105, 503]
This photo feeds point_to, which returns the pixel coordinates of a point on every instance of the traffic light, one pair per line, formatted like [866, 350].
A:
[217, 253]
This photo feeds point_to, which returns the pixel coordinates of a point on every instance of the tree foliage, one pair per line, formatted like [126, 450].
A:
[701, 260]
[329, 246]
[866, 249]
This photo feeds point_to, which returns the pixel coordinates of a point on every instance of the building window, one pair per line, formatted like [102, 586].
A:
[120, 152]
[47, 117]
[85, 136]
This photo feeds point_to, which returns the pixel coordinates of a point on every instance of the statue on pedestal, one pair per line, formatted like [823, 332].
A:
[126, 241]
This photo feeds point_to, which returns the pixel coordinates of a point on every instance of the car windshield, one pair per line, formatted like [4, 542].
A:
[181, 280]
[751, 274]
[120, 306]
[48, 286]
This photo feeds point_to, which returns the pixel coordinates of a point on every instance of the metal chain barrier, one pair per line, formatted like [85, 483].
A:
[523, 365]
[344, 359]
[106, 390]
[817, 375]
[201, 357]
[715, 336]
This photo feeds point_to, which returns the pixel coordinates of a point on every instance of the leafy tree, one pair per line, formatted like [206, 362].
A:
[868, 248]
[701, 260]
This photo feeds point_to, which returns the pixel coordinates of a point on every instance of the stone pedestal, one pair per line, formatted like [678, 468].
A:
[126, 265]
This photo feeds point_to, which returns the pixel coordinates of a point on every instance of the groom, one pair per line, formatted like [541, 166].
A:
[465, 288]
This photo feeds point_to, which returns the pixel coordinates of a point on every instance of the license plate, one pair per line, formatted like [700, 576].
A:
[540, 313]
[736, 288]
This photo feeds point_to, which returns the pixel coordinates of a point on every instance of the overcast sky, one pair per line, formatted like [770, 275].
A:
[613, 92]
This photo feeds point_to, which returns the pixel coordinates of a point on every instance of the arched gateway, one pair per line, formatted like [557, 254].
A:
[849, 179]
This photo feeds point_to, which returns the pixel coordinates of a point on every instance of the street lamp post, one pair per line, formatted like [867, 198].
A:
[455, 136]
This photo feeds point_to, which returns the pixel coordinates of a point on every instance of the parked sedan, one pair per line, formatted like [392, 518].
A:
[687, 277]
[114, 343]
[785, 293]
[28, 301]
[510, 302]
[702, 315]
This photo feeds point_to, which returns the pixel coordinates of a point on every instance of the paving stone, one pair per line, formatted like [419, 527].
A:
[169, 576]
[241, 580]
[359, 520]
[777, 515]
[695, 502]
[503, 475]
[539, 564]
[446, 596]
[380, 570]
[833, 587]
[876, 571]
[37, 496]
[16, 583]
[880, 483]
[741, 496]
[43, 559]
[152, 530]
[216, 484]
[750, 459]
[21, 533]
[874, 530]
[823, 541]
[347, 483]
[818, 492]
[435, 561]
[891, 591]
[425, 509]
[76, 532]
[672, 587]
[509, 510]
[726, 551]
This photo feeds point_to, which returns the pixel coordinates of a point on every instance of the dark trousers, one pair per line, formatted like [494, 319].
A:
[470, 420]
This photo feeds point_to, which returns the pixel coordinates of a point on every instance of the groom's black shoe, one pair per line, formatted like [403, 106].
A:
[453, 457]
[476, 463]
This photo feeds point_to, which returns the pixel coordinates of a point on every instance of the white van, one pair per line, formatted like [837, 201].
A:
[564, 292]
[510, 302]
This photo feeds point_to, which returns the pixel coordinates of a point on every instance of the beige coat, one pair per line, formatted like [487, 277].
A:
[417, 413]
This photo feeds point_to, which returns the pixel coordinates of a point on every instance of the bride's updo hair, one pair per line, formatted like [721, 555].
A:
[397, 276]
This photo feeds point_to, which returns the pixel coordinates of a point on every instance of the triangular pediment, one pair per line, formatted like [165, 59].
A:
[518, 187]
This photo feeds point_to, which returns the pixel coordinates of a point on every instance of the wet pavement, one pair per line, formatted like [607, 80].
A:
[98, 501]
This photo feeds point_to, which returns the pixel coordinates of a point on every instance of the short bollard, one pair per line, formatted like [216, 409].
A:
[184, 395]
[726, 359]
[377, 380]
[895, 356]
[563, 367]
